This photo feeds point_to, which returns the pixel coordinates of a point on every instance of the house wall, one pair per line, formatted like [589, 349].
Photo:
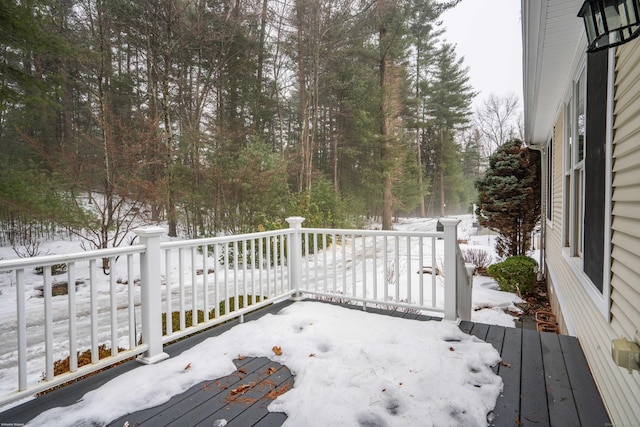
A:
[569, 288]
[554, 226]
[625, 227]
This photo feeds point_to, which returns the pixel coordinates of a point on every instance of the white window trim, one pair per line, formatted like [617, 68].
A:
[599, 299]
[549, 151]
[574, 168]
[608, 186]
[602, 300]
[566, 171]
[577, 180]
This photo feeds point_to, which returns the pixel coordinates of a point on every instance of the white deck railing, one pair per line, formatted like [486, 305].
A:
[158, 291]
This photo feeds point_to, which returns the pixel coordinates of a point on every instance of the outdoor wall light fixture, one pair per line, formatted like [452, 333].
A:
[610, 22]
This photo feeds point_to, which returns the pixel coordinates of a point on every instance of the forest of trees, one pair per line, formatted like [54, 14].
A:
[221, 116]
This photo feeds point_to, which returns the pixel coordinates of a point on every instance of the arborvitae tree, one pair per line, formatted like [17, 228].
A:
[509, 197]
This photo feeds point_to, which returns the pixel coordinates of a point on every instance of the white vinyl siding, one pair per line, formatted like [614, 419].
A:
[625, 274]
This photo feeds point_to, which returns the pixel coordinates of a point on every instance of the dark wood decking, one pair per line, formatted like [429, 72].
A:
[240, 398]
[546, 383]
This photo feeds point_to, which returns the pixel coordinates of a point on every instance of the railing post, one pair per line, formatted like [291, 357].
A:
[295, 267]
[450, 268]
[151, 296]
[467, 288]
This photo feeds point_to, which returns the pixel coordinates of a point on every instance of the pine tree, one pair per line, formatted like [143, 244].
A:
[509, 197]
[448, 105]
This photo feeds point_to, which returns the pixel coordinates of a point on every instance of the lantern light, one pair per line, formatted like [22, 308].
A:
[610, 22]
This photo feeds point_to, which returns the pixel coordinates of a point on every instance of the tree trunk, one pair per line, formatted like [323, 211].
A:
[387, 192]
[442, 204]
[172, 217]
[304, 113]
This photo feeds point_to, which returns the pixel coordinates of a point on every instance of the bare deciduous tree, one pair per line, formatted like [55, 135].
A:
[497, 120]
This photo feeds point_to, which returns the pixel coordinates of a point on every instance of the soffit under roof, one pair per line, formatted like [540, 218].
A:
[553, 41]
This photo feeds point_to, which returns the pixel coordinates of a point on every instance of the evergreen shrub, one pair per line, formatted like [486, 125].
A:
[515, 274]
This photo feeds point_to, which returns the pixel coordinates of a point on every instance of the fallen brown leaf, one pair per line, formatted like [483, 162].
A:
[187, 367]
[508, 365]
[242, 371]
[312, 355]
[277, 350]
[452, 349]
[241, 389]
[241, 357]
[271, 370]
[273, 394]
[238, 399]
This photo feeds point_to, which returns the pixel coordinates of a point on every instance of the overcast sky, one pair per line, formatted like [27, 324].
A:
[488, 34]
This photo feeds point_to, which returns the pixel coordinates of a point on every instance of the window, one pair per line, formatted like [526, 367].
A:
[577, 165]
[575, 126]
[566, 185]
[595, 166]
[549, 174]
[584, 167]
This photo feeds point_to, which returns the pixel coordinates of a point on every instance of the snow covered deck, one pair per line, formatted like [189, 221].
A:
[546, 381]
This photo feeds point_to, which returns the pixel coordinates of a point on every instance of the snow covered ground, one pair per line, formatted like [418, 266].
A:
[489, 305]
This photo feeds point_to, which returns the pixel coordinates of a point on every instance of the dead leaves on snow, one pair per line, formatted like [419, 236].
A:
[277, 350]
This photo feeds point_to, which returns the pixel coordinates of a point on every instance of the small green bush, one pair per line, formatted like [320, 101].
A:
[515, 274]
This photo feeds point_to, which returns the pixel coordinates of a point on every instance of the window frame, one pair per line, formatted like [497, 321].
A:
[573, 184]
[550, 181]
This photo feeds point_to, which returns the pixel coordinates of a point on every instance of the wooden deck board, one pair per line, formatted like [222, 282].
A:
[256, 412]
[194, 396]
[560, 398]
[480, 330]
[465, 326]
[273, 419]
[591, 410]
[507, 410]
[225, 405]
[495, 337]
[546, 382]
[533, 404]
